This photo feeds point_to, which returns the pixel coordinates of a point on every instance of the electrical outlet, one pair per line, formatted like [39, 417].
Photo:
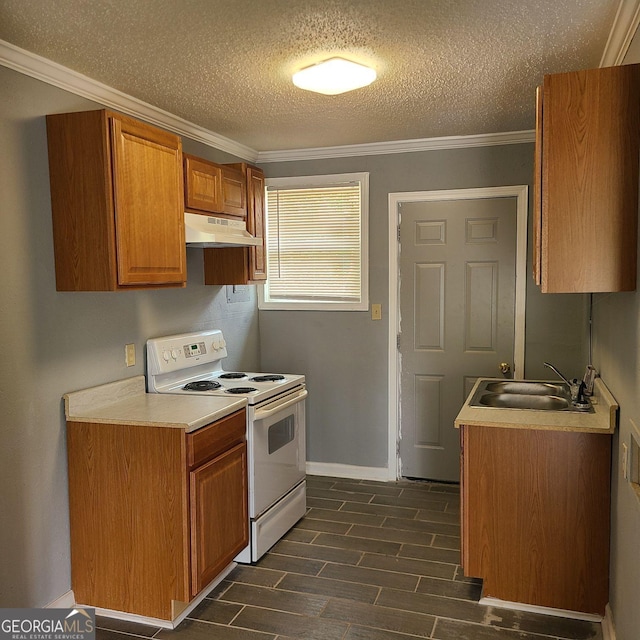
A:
[625, 457]
[376, 312]
[130, 354]
[237, 293]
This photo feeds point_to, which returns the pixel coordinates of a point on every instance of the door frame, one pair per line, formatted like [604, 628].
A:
[521, 193]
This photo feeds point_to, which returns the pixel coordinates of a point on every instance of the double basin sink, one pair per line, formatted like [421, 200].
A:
[524, 394]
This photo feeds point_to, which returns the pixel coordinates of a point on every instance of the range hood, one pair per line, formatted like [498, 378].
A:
[209, 231]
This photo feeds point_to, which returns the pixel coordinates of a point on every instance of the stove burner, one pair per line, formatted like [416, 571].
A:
[272, 377]
[232, 376]
[240, 389]
[202, 385]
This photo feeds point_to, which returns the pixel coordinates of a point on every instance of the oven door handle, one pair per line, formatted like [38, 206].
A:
[270, 410]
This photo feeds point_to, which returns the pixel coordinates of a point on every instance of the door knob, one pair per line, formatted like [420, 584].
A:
[505, 367]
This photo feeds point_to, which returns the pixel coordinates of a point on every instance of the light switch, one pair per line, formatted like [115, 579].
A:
[376, 312]
[130, 354]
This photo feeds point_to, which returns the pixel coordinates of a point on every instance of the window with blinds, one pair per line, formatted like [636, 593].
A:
[317, 243]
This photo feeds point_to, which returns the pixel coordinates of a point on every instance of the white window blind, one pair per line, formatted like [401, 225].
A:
[316, 230]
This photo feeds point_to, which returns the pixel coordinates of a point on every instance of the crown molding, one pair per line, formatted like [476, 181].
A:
[398, 146]
[625, 25]
[55, 74]
[64, 78]
[624, 28]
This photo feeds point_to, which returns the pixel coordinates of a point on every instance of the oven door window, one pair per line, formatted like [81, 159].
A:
[281, 433]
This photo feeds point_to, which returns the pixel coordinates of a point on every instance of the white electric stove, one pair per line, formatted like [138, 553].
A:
[191, 363]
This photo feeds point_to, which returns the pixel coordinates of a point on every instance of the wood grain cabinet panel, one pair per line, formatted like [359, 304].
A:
[128, 518]
[586, 180]
[202, 185]
[117, 203]
[219, 526]
[214, 188]
[256, 223]
[234, 191]
[155, 513]
[535, 515]
[242, 265]
[208, 442]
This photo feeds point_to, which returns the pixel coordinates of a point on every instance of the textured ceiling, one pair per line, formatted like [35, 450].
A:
[445, 67]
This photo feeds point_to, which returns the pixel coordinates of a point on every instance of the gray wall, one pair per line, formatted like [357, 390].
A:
[344, 354]
[616, 322]
[52, 343]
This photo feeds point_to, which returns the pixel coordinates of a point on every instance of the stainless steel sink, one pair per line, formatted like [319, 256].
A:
[524, 394]
[526, 387]
[524, 401]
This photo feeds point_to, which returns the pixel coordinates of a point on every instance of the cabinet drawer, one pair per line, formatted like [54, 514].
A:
[215, 438]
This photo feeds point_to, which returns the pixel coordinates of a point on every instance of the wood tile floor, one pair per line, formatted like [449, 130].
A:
[370, 561]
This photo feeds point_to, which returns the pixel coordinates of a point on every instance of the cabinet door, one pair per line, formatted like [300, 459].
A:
[589, 180]
[148, 204]
[234, 192]
[255, 224]
[202, 185]
[219, 515]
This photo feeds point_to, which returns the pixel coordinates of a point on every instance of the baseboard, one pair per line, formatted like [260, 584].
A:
[608, 628]
[348, 471]
[532, 608]
[65, 601]
[158, 622]
[132, 617]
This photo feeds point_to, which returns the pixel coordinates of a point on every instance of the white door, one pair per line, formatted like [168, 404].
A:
[457, 300]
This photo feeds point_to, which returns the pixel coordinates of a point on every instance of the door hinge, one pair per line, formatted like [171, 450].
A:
[398, 233]
[398, 342]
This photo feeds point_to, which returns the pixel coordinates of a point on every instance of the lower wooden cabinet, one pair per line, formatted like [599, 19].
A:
[535, 515]
[155, 513]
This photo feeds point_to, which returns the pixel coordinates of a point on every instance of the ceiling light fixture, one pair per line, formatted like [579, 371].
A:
[334, 76]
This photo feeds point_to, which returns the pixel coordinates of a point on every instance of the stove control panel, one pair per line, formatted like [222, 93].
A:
[181, 351]
[197, 349]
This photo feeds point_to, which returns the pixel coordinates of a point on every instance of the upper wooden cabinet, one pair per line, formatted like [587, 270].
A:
[214, 188]
[242, 265]
[256, 223]
[586, 182]
[117, 203]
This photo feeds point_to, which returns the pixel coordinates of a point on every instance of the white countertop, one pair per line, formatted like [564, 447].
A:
[602, 420]
[126, 402]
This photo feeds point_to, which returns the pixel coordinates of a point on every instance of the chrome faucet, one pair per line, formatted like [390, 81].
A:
[576, 387]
